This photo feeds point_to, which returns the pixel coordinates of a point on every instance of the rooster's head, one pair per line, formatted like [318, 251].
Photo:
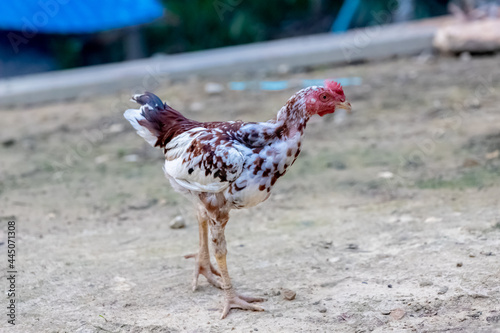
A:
[325, 100]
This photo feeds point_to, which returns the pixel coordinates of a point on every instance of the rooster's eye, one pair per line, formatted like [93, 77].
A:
[323, 97]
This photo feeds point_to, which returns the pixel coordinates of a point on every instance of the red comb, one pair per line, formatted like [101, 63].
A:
[332, 85]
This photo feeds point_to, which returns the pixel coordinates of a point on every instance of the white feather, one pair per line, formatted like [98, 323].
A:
[133, 116]
[180, 143]
[178, 163]
[210, 188]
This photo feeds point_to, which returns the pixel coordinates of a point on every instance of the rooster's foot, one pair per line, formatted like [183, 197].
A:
[235, 301]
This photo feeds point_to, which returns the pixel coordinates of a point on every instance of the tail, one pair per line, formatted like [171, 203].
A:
[137, 118]
[155, 121]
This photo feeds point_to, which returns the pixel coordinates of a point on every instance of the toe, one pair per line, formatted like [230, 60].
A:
[194, 284]
[251, 299]
[238, 302]
[196, 273]
[212, 279]
[241, 304]
[225, 311]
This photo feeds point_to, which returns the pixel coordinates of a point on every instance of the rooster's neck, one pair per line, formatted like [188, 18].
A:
[293, 116]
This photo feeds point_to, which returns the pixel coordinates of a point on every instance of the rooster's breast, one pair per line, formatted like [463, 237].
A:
[263, 167]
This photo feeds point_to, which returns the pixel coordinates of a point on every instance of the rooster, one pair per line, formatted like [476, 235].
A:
[221, 166]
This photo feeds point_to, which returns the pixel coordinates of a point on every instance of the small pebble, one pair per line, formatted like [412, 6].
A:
[493, 155]
[352, 246]
[326, 245]
[465, 56]
[283, 69]
[470, 163]
[8, 142]
[196, 106]
[407, 219]
[426, 283]
[459, 264]
[385, 175]
[389, 286]
[322, 310]
[145, 204]
[442, 290]
[417, 307]
[177, 223]
[385, 312]
[289, 294]
[433, 219]
[116, 128]
[475, 314]
[479, 294]
[398, 314]
[131, 158]
[475, 103]
[101, 159]
[213, 88]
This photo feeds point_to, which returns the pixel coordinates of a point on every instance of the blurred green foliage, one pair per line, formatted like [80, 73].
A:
[191, 25]
[199, 24]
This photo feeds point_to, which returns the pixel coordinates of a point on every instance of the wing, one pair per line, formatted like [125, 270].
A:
[201, 160]
[256, 135]
[249, 134]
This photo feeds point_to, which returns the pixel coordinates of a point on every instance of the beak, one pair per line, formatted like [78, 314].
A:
[345, 105]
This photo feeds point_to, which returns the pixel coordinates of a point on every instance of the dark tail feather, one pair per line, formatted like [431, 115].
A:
[157, 122]
[149, 99]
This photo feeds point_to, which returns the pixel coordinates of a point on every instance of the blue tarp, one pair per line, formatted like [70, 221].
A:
[75, 16]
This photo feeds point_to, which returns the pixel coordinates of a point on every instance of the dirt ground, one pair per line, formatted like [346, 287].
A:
[389, 221]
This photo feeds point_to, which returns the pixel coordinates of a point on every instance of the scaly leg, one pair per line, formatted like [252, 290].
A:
[231, 298]
[203, 265]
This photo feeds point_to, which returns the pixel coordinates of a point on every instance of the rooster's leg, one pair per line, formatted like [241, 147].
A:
[203, 265]
[231, 298]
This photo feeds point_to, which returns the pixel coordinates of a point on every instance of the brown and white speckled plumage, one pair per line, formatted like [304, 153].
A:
[225, 165]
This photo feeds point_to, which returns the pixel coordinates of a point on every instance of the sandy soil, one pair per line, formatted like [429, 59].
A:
[388, 222]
